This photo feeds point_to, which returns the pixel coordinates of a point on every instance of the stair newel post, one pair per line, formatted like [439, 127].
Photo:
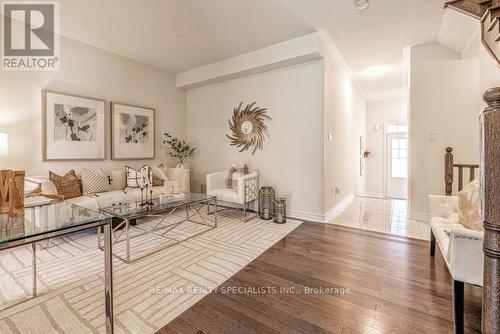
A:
[490, 202]
[448, 171]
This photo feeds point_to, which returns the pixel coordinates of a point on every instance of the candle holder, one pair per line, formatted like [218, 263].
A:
[280, 210]
[266, 203]
[142, 197]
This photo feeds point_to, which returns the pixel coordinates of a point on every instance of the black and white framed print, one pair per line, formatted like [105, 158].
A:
[132, 132]
[73, 127]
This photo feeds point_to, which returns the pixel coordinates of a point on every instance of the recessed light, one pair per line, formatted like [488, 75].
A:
[376, 70]
[360, 4]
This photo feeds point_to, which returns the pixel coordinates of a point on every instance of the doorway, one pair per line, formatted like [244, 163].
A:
[396, 164]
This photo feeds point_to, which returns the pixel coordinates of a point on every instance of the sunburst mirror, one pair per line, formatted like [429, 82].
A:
[247, 127]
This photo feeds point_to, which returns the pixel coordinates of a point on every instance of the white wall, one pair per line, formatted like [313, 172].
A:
[444, 91]
[91, 72]
[292, 159]
[345, 112]
[379, 113]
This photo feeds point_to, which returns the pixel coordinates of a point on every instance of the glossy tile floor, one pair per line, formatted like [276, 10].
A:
[383, 215]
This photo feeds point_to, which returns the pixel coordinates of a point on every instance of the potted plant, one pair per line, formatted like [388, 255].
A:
[177, 149]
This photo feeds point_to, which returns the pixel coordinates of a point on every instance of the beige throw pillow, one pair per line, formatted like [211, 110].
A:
[469, 206]
[94, 182]
[118, 179]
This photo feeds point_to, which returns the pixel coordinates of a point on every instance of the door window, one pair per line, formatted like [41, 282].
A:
[399, 158]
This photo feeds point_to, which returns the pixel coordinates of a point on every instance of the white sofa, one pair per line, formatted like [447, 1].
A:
[178, 178]
[462, 249]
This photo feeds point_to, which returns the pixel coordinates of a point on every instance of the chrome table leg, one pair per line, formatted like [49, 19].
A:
[108, 277]
[215, 217]
[33, 260]
[127, 226]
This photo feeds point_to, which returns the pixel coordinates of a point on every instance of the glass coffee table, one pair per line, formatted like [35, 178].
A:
[43, 222]
[158, 219]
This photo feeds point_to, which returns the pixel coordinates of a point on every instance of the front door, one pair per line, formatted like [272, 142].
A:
[397, 165]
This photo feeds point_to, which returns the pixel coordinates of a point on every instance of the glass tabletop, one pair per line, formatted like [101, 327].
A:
[136, 210]
[46, 221]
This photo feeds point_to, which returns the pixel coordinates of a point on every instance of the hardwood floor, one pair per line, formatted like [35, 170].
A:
[394, 287]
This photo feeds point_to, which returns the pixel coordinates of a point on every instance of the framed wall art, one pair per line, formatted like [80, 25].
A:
[132, 132]
[73, 127]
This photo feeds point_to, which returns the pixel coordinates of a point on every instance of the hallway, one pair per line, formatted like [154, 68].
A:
[383, 215]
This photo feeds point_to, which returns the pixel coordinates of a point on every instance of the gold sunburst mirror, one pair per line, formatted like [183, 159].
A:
[248, 128]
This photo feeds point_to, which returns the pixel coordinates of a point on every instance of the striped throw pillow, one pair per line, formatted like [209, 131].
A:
[139, 178]
[94, 182]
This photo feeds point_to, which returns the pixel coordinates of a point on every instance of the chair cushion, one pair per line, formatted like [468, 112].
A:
[469, 206]
[225, 194]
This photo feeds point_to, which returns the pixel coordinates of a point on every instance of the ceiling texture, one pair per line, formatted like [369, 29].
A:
[178, 35]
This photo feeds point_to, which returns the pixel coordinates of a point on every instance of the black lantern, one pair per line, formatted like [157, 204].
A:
[266, 203]
[280, 210]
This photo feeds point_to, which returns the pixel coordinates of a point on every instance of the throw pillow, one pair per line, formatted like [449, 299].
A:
[118, 179]
[68, 185]
[469, 206]
[94, 182]
[139, 178]
[160, 172]
[157, 182]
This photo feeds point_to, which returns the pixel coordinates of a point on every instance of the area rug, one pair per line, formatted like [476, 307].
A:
[148, 293]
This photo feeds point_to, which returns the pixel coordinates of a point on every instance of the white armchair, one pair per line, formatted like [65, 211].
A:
[244, 191]
[462, 249]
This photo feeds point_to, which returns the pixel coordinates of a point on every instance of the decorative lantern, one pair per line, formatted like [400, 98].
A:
[266, 203]
[280, 210]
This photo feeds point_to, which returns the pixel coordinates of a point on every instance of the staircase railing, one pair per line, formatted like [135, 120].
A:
[450, 165]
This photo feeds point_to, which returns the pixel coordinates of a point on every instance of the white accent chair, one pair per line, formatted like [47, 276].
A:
[462, 250]
[243, 192]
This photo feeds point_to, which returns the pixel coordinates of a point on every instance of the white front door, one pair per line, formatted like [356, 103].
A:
[397, 165]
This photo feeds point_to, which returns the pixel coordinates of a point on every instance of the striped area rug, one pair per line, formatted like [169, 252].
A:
[148, 293]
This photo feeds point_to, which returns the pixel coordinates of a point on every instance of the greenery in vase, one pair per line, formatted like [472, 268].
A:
[177, 149]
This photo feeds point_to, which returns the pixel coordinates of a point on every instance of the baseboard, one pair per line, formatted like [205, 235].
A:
[424, 216]
[372, 195]
[293, 214]
[339, 208]
[305, 215]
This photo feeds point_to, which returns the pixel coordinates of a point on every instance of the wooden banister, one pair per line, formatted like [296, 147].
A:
[449, 166]
[490, 199]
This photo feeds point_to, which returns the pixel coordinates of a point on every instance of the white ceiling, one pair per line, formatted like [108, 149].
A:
[178, 35]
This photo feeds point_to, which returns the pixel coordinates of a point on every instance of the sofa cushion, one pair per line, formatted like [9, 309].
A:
[48, 187]
[68, 185]
[469, 206]
[94, 182]
[104, 200]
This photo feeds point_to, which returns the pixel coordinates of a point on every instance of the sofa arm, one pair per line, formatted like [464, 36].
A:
[466, 255]
[248, 186]
[216, 180]
[442, 206]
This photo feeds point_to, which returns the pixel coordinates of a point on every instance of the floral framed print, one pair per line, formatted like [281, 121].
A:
[132, 132]
[73, 127]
